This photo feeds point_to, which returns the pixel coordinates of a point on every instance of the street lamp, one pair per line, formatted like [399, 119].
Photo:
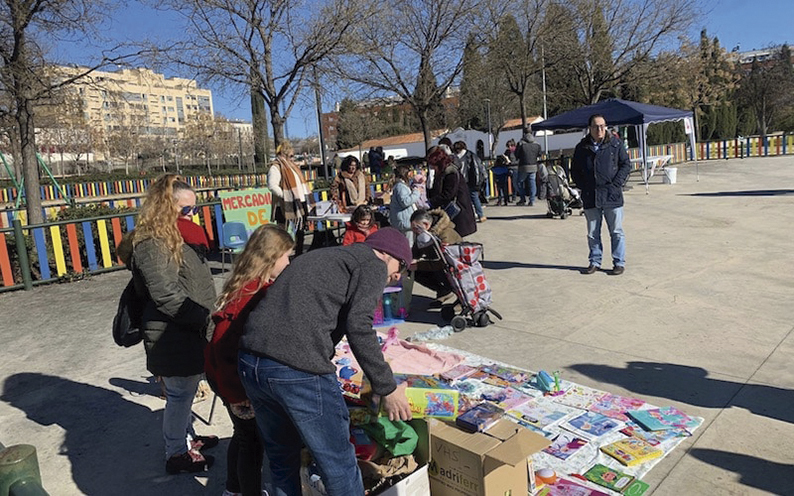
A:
[488, 118]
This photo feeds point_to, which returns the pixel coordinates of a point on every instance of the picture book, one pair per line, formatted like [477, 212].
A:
[541, 412]
[509, 374]
[615, 406]
[537, 430]
[479, 418]
[608, 477]
[636, 488]
[631, 451]
[565, 487]
[565, 445]
[458, 372]
[591, 425]
[657, 419]
[429, 396]
[506, 398]
[579, 396]
[654, 438]
[349, 375]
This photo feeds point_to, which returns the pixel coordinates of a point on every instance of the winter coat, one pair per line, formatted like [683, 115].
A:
[402, 206]
[220, 356]
[527, 153]
[355, 235]
[473, 170]
[340, 194]
[449, 185]
[443, 229]
[600, 174]
[177, 312]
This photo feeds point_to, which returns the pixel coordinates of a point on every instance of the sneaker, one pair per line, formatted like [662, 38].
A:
[200, 443]
[521, 202]
[591, 269]
[190, 461]
[483, 218]
[617, 270]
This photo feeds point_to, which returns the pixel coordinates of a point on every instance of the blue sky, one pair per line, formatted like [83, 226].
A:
[749, 24]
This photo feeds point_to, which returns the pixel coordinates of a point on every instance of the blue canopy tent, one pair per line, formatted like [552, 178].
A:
[619, 112]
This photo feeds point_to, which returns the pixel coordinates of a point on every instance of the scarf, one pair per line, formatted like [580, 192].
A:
[194, 236]
[293, 197]
[357, 194]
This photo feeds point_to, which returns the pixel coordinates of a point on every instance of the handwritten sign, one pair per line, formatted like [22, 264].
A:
[252, 207]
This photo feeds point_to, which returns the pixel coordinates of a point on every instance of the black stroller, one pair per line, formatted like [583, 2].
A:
[467, 279]
[560, 197]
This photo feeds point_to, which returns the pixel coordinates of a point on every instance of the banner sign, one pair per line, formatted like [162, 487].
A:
[252, 207]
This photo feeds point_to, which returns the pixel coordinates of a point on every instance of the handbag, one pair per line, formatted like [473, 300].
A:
[453, 209]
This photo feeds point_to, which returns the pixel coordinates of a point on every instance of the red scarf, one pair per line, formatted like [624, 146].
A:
[193, 234]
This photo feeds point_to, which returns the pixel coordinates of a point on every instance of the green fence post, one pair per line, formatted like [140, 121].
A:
[19, 470]
[22, 253]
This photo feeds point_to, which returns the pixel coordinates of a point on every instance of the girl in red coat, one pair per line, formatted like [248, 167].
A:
[362, 224]
[265, 256]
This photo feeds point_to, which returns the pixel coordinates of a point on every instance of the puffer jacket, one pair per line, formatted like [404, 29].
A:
[402, 206]
[177, 312]
[600, 174]
[443, 229]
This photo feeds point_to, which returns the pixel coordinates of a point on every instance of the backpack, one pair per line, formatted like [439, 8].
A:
[127, 322]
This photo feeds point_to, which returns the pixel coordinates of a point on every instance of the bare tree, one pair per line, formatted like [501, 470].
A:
[265, 47]
[26, 79]
[415, 51]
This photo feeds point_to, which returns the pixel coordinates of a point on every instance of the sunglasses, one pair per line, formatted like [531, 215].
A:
[403, 266]
[187, 209]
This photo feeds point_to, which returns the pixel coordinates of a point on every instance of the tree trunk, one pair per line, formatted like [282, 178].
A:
[259, 121]
[522, 97]
[30, 166]
[277, 121]
[423, 120]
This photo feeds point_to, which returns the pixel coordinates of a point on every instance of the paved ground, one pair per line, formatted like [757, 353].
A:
[702, 319]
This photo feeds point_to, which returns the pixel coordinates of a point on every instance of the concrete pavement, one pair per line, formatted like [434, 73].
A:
[702, 319]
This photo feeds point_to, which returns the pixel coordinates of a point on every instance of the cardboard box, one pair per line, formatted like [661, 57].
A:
[490, 463]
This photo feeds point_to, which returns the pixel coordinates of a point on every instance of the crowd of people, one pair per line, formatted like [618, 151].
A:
[268, 358]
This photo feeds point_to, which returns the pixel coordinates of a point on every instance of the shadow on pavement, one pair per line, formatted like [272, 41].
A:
[754, 472]
[139, 388]
[499, 265]
[757, 192]
[692, 386]
[114, 446]
[422, 312]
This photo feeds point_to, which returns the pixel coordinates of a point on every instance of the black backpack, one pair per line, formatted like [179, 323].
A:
[127, 322]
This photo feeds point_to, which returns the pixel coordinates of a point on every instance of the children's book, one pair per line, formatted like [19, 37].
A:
[657, 419]
[591, 425]
[654, 438]
[541, 412]
[608, 477]
[565, 487]
[615, 406]
[565, 445]
[458, 372]
[636, 488]
[579, 396]
[349, 374]
[506, 398]
[631, 451]
[479, 418]
[429, 396]
[509, 374]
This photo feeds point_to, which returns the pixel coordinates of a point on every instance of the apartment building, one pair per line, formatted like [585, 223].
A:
[139, 101]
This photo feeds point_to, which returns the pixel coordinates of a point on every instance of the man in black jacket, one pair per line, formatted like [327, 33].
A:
[286, 349]
[527, 155]
[600, 167]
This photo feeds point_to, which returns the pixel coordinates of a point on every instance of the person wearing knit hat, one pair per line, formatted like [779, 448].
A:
[286, 350]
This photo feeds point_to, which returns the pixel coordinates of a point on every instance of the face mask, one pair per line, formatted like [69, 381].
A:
[424, 239]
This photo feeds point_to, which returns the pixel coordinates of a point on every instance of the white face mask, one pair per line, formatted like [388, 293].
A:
[424, 239]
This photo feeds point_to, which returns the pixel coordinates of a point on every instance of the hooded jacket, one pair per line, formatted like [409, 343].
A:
[600, 173]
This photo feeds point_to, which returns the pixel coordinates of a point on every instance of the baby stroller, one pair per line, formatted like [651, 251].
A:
[467, 278]
[560, 197]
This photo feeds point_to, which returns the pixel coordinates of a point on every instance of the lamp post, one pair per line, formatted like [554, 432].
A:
[488, 118]
[545, 110]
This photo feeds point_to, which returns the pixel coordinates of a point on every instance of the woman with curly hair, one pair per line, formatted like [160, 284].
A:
[350, 187]
[265, 256]
[170, 268]
[292, 195]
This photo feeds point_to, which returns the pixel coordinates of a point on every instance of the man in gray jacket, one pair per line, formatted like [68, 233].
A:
[527, 154]
[286, 350]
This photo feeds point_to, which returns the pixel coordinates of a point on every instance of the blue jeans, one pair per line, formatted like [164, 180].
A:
[513, 173]
[614, 218]
[177, 416]
[294, 408]
[527, 179]
[501, 188]
[475, 200]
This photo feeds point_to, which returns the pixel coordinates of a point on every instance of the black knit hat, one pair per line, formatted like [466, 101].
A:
[391, 241]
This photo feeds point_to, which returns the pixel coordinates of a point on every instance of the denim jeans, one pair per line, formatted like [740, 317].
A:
[513, 173]
[475, 200]
[614, 218]
[527, 179]
[501, 189]
[294, 408]
[177, 416]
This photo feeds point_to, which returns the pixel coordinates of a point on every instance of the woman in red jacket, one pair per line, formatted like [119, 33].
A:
[265, 256]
